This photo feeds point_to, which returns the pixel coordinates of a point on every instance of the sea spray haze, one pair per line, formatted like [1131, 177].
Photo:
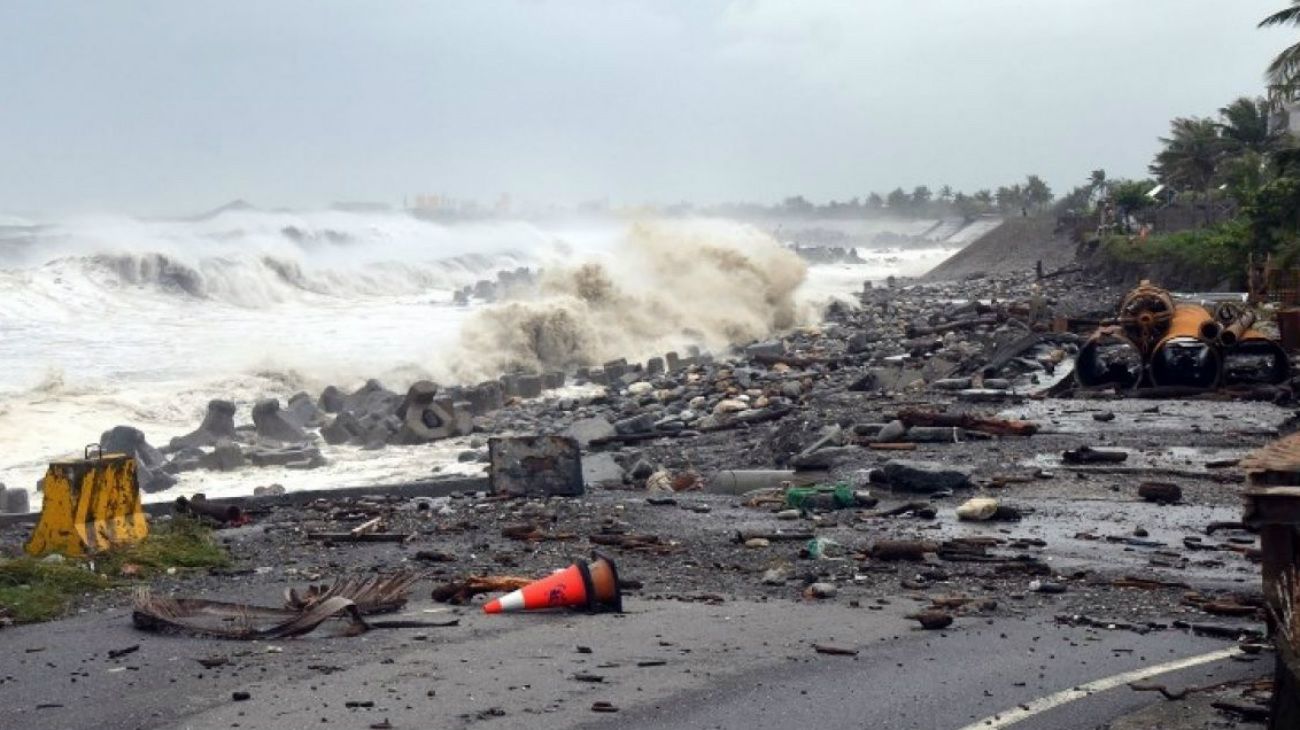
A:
[662, 286]
[117, 320]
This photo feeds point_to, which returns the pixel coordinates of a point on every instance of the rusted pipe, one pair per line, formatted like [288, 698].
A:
[199, 506]
[1233, 333]
[1184, 356]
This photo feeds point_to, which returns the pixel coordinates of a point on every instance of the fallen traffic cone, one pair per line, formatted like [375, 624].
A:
[591, 586]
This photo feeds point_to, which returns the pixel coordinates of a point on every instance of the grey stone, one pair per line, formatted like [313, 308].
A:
[586, 430]
[654, 366]
[892, 431]
[636, 424]
[771, 348]
[925, 477]
[642, 469]
[791, 389]
[601, 469]
[859, 342]
[272, 425]
[672, 361]
[553, 380]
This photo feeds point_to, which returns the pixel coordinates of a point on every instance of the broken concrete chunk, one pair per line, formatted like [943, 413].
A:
[549, 465]
[925, 477]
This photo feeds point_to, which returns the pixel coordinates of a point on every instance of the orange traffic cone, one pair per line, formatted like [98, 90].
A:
[593, 587]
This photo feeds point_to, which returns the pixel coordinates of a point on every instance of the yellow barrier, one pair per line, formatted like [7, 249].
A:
[89, 506]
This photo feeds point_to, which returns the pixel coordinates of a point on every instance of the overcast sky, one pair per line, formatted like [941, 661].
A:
[166, 106]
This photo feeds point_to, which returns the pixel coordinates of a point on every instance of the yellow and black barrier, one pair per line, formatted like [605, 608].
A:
[90, 505]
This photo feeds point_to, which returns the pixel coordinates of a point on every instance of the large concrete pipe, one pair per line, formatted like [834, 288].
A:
[1109, 357]
[1184, 356]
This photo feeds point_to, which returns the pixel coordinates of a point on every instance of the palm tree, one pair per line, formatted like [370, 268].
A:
[1246, 127]
[1190, 157]
[1284, 72]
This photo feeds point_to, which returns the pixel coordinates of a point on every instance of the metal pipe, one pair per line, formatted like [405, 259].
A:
[739, 481]
[1184, 356]
[1232, 334]
[199, 506]
[1256, 359]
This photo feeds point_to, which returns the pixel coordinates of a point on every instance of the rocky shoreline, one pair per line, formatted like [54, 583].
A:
[907, 401]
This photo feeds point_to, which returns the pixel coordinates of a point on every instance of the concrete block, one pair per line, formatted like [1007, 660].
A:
[545, 465]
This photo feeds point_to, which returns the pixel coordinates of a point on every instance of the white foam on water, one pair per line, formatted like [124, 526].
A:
[110, 321]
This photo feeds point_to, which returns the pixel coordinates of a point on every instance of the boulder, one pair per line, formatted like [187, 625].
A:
[771, 348]
[554, 379]
[272, 425]
[925, 477]
[672, 361]
[218, 423]
[642, 423]
[859, 342]
[601, 470]
[654, 366]
[586, 430]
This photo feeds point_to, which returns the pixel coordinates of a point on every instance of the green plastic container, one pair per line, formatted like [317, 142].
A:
[841, 494]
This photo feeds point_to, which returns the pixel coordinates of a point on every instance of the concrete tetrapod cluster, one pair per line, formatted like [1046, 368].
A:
[1155, 341]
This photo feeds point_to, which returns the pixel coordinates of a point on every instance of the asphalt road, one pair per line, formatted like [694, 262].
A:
[665, 663]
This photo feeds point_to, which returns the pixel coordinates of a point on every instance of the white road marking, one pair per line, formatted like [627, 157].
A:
[1052, 701]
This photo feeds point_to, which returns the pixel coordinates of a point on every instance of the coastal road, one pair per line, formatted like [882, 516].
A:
[666, 663]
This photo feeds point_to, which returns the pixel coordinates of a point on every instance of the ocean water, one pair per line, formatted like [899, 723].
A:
[113, 320]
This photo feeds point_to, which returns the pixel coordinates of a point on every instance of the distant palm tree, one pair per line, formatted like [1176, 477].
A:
[1190, 157]
[1284, 71]
[1247, 127]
